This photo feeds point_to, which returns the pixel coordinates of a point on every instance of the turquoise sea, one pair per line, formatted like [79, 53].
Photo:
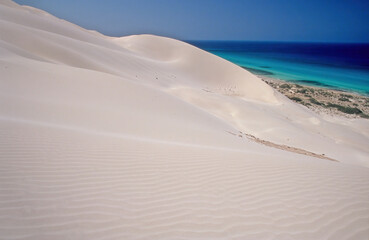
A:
[340, 66]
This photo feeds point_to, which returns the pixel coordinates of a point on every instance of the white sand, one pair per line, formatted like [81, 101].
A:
[137, 138]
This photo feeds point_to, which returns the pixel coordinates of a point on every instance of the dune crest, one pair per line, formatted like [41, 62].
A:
[147, 137]
[196, 67]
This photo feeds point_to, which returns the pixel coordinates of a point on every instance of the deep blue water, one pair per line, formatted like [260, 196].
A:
[339, 66]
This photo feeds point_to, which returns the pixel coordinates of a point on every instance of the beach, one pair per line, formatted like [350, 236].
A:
[149, 137]
[323, 100]
[338, 66]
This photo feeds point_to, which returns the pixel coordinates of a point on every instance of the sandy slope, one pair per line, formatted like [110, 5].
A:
[138, 138]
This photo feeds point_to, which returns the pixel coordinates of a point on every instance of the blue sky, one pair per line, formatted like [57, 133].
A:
[265, 20]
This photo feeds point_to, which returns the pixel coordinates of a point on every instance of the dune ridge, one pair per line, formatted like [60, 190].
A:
[129, 138]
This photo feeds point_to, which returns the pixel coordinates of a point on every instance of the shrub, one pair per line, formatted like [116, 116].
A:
[314, 101]
[348, 110]
[306, 104]
[285, 85]
[344, 99]
[345, 95]
[302, 91]
[296, 99]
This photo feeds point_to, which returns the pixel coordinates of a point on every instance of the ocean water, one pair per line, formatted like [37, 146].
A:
[340, 66]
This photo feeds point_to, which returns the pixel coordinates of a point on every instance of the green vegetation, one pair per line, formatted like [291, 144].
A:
[346, 95]
[326, 94]
[344, 99]
[285, 85]
[314, 101]
[296, 99]
[334, 101]
[302, 90]
[306, 104]
[348, 110]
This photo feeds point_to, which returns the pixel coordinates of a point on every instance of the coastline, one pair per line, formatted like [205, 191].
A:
[148, 137]
[322, 100]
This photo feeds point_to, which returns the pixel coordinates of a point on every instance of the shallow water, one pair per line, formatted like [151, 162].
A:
[333, 65]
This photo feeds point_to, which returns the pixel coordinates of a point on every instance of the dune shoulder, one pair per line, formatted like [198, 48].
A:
[148, 137]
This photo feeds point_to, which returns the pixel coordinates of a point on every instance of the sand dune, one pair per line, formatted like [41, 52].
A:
[145, 137]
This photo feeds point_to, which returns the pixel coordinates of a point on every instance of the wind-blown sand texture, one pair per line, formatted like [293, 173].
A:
[129, 138]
